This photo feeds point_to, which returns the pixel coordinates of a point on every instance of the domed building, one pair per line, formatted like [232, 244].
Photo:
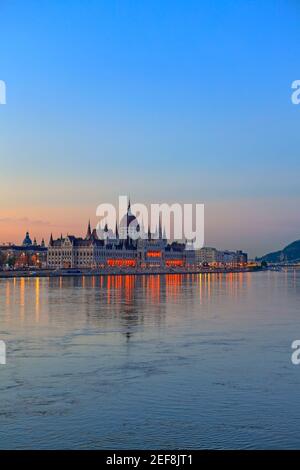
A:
[129, 227]
[26, 255]
[121, 248]
[27, 240]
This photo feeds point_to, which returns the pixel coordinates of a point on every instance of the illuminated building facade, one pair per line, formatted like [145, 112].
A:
[29, 254]
[214, 257]
[118, 251]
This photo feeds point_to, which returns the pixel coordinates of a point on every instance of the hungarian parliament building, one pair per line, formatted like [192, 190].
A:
[118, 249]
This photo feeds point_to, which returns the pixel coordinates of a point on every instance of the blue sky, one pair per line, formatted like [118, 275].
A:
[165, 100]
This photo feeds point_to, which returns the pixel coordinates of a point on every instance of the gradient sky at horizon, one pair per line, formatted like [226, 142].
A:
[167, 101]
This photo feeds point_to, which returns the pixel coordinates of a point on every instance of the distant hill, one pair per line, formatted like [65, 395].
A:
[288, 254]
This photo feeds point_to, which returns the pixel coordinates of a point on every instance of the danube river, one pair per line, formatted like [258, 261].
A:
[177, 361]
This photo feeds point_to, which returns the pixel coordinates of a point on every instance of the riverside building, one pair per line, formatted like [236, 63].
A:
[152, 251]
[29, 254]
[218, 258]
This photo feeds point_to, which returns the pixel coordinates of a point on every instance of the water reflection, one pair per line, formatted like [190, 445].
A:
[22, 298]
[150, 361]
[98, 299]
[37, 299]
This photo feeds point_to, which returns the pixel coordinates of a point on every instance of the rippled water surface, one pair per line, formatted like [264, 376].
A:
[196, 361]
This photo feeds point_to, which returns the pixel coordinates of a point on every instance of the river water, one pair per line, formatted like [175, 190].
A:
[149, 362]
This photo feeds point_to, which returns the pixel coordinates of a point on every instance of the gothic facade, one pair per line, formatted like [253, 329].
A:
[116, 251]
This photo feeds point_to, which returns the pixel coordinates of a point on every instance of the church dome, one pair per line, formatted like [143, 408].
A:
[27, 240]
[127, 219]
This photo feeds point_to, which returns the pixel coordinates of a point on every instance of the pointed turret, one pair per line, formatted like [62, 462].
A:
[89, 232]
[51, 240]
[43, 243]
[117, 232]
[34, 242]
[129, 208]
[94, 235]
